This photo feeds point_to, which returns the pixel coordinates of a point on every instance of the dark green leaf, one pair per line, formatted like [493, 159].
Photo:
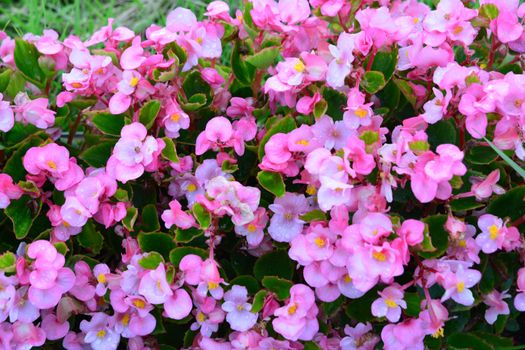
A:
[5, 77]
[178, 253]
[438, 235]
[22, 213]
[510, 204]
[202, 215]
[272, 182]
[279, 286]
[468, 341]
[276, 263]
[151, 261]
[185, 236]
[150, 218]
[90, 238]
[264, 58]
[442, 132]
[481, 155]
[169, 152]
[314, 215]
[373, 81]
[247, 281]
[131, 217]
[258, 300]
[26, 60]
[156, 242]
[108, 123]
[148, 113]
[464, 204]
[97, 156]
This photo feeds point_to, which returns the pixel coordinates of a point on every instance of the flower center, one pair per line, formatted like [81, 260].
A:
[76, 85]
[299, 66]
[311, 190]
[175, 117]
[191, 188]
[252, 228]
[302, 142]
[125, 319]
[51, 164]
[493, 232]
[212, 285]
[347, 278]
[439, 333]
[134, 82]
[518, 102]
[361, 113]
[460, 286]
[320, 242]
[201, 317]
[101, 278]
[390, 303]
[379, 256]
[458, 29]
[292, 309]
[101, 333]
[462, 243]
[139, 303]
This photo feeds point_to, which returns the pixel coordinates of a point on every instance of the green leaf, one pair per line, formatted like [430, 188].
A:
[441, 132]
[150, 218]
[185, 236]
[194, 102]
[151, 261]
[61, 247]
[314, 215]
[279, 286]
[90, 238]
[413, 301]
[5, 77]
[178, 253]
[320, 109]
[169, 152]
[8, 262]
[97, 156]
[489, 11]
[336, 102]
[148, 113]
[264, 58]
[26, 60]
[247, 281]
[14, 165]
[108, 123]
[276, 263]
[407, 90]
[438, 236]
[23, 213]
[373, 81]
[385, 62]
[464, 204]
[284, 125]
[272, 182]
[161, 243]
[244, 73]
[510, 204]
[130, 218]
[481, 155]
[507, 159]
[202, 215]
[194, 84]
[258, 301]
[467, 341]
[311, 345]
[360, 309]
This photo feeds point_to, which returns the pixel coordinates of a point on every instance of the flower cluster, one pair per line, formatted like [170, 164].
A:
[299, 174]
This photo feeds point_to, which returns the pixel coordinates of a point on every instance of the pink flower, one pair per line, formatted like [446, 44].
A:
[407, 335]
[154, 286]
[34, 111]
[457, 285]
[483, 189]
[293, 11]
[253, 231]
[359, 337]
[133, 153]
[27, 335]
[435, 109]
[497, 306]
[217, 133]
[519, 300]
[390, 303]
[175, 119]
[176, 216]
[178, 305]
[285, 223]
[131, 82]
[99, 331]
[237, 308]
[492, 233]
[297, 319]
[8, 191]
[341, 65]
[7, 119]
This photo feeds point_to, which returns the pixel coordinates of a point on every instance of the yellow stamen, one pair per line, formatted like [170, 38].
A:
[251, 228]
[361, 113]
[299, 66]
[460, 286]
[76, 85]
[311, 190]
[518, 102]
[302, 143]
[390, 303]
[457, 30]
[134, 82]
[462, 243]
[288, 216]
[379, 256]
[51, 164]
[191, 188]
[201, 317]
[175, 117]
[125, 319]
[292, 309]
[240, 307]
[139, 303]
[212, 285]
[493, 232]
[415, 20]
[199, 40]
[347, 278]
[66, 224]
[439, 333]
[320, 242]
[101, 333]
[101, 278]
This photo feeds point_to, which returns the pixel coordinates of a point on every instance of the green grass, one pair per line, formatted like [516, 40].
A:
[83, 17]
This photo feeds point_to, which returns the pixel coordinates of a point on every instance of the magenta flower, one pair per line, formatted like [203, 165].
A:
[497, 306]
[176, 216]
[457, 285]
[7, 119]
[8, 191]
[492, 233]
